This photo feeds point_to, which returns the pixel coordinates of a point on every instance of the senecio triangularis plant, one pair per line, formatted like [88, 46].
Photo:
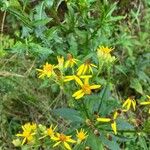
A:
[77, 80]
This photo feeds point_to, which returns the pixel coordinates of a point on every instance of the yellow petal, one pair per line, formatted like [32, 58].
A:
[115, 115]
[93, 65]
[77, 79]
[85, 76]
[145, 103]
[71, 140]
[125, 103]
[114, 127]
[133, 104]
[66, 64]
[68, 78]
[56, 144]
[95, 86]
[19, 135]
[80, 70]
[79, 96]
[85, 69]
[103, 119]
[86, 81]
[129, 105]
[67, 145]
[24, 140]
[90, 69]
[77, 93]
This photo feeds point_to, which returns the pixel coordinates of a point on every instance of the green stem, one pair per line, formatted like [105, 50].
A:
[126, 131]
[100, 67]
[2, 26]
[84, 108]
[99, 107]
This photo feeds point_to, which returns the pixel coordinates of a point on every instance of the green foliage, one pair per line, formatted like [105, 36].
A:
[36, 32]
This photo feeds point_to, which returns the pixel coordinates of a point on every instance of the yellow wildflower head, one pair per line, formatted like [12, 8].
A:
[112, 121]
[60, 62]
[104, 50]
[128, 103]
[61, 138]
[85, 88]
[70, 61]
[81, 135]
[104, 53]
[85, 68]
[47, 70]
[28, 132]
[51, 131]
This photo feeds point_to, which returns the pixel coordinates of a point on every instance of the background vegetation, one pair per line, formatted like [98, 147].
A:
[33, 32]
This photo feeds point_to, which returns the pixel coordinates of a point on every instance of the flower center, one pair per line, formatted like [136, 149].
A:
[48, 68]
[86, 89]
[62, 138]
[69, 57]
[81, 136]
[26, 134]
[106, 50]
[50, 132]
[88, 62]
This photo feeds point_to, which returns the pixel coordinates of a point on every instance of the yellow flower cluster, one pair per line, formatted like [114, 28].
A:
[33, 132]
[83, 72]
[126, 106]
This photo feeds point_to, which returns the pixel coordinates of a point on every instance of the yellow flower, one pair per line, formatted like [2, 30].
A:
[104, 53]
[103, 119]
[70, 61]
[61, 138]
[146, 103]
[60, 62]
[128, 103]
[51, 131]
[76, 78]
[85, 88]
[28, 132]
[104, 50]
[85, 68]
[111, 120]
[46, 71]
[81, 135]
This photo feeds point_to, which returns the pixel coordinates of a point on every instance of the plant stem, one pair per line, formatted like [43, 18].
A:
[2, 25]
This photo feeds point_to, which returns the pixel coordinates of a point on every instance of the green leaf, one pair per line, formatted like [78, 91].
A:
[41, 22]
[124, 125]
[69, 114]
[136, 85]
[112, 145]
[94, 142]
[143, 143]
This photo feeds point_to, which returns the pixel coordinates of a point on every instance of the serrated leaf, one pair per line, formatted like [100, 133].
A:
[136, 85]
